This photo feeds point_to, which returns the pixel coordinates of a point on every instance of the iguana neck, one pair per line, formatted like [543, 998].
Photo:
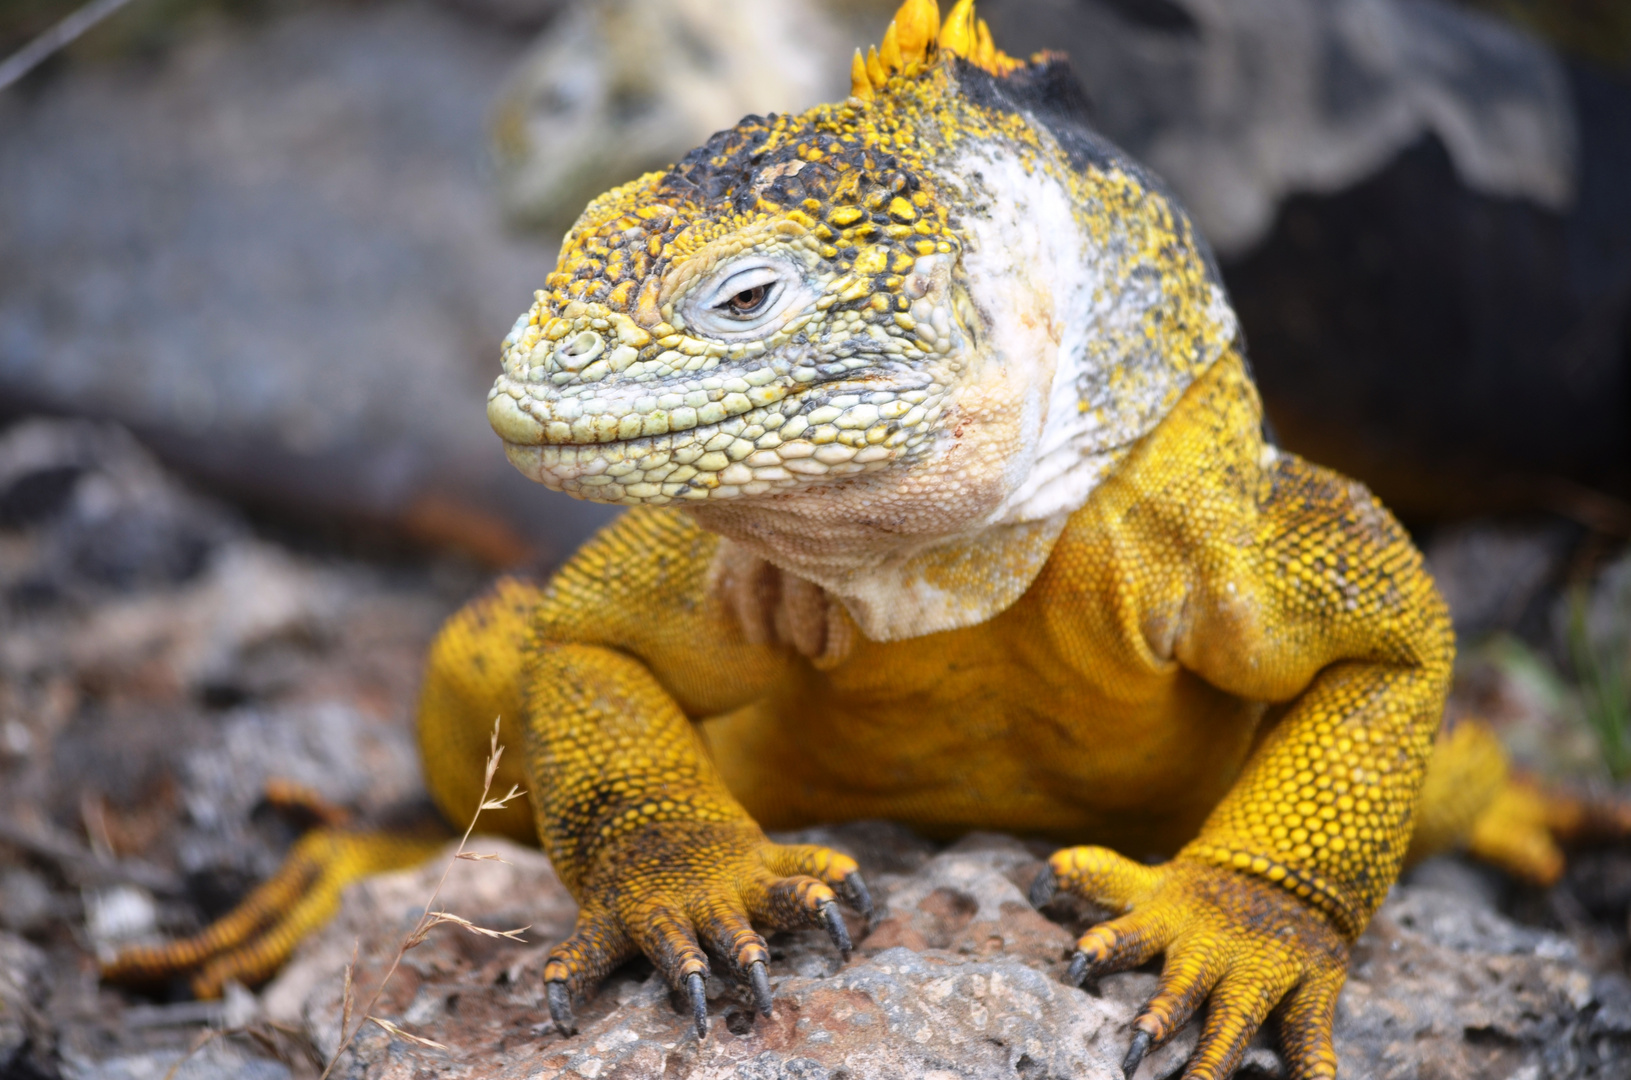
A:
[1061, 369]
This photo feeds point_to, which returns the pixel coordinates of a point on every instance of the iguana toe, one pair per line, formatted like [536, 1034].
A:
[760, 979]
[699, 1003]
[560, 1007]
[1135, 1053]
[249, 943]
[1526, 826]
[1239, 945]
[681, 892]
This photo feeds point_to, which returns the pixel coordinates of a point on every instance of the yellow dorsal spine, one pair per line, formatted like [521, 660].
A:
[889, 50]
[916, 36]
[917, 23]
[875, 69]
[860, 83]
[958, 35]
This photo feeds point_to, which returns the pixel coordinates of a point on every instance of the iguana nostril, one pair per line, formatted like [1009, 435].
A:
[580, 350]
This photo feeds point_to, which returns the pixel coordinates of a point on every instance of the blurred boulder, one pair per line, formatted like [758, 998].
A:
[22, 990]
[270, 250]
[617, 88]
[1240, 104]
[96, 515]
[1422, 220]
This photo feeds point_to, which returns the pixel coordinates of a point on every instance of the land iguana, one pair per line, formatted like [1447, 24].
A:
[950, 503]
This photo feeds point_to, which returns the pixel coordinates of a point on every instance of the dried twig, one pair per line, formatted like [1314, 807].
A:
[408, 1035]
[39, 50]
[427, 920]
[437, 918]
[348, 999]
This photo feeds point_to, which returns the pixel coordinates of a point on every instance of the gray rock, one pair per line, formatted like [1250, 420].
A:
[592, 105]
[270, 251]
[959, 977]
[218, 1059]
[25, 899]
[1240, 104]
[22, 967]
[1491, 572]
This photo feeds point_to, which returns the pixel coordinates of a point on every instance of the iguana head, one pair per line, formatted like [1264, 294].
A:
[938, 308]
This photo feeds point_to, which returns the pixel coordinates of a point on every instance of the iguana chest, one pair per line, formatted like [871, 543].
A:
[1054, 717]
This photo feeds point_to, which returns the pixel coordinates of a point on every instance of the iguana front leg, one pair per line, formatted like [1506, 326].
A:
[1262, 908]
[1278, 582]
[627, 648]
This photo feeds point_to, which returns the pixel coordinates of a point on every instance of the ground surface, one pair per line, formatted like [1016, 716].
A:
[161, 660]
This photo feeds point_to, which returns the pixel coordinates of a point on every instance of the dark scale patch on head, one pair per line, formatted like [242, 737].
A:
[733, 167]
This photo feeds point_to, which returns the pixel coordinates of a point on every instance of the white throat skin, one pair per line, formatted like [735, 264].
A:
[1065, 373]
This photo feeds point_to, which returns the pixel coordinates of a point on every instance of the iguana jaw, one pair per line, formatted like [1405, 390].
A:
[592, 403]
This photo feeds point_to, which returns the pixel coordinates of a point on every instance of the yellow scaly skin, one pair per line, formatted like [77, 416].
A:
[841, 595]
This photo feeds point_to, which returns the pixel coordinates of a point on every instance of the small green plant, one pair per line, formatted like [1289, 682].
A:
[1602, 663]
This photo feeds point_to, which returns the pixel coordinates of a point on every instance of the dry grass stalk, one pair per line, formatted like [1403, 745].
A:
[427, 920]
[348, 999]
[407, 1036]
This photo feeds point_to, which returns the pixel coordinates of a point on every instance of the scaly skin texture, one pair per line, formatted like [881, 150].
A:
[951, 506]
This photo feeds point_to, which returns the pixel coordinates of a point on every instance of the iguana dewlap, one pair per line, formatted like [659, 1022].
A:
[951, 506]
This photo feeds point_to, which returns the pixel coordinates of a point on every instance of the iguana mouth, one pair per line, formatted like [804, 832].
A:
[722, 431]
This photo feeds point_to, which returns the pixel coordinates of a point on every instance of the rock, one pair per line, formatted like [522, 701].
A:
[1421, 216]
[1492, 573]
[1190, 89]
[217, 1058]
[958, 977]
[593, 105]
[22, 967]
[25, 900]
[329, 747]
[119, 916]
[102, 516]
[278, 263]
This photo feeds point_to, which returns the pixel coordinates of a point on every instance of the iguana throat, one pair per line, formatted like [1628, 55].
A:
[884, 344]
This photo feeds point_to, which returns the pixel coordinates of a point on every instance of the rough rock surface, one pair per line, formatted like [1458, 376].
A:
[959, 977]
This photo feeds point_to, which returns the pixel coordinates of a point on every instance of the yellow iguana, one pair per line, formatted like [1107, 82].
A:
[950, 504]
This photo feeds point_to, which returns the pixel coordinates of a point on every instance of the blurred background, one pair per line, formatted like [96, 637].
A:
[256, 257]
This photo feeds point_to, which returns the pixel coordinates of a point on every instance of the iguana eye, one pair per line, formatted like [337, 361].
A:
[747, 298]
[748, 301]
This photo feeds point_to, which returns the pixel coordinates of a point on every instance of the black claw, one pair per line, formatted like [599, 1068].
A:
[560, 1007]
[761, 985]
[836, 928]
[1135, 1053]
[1078, 969]
[699, 1003]
[857, 896]
[1043, 888]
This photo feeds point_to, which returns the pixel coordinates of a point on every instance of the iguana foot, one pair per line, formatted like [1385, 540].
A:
[1241, 944]
[680, 890]
[252, 941]
[1525, 827]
